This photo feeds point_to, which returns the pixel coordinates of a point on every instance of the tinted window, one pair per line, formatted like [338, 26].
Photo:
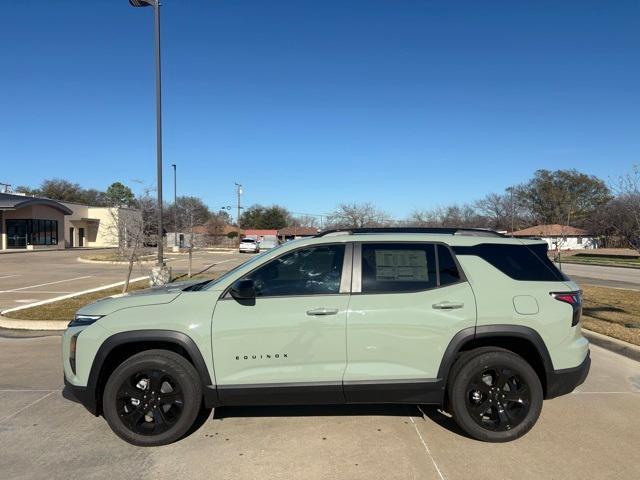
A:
[397, 267]
[307, 271]
[519, 262]
[448, 269]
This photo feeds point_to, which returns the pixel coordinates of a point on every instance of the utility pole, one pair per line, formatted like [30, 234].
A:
[238, 193]
[175, 209]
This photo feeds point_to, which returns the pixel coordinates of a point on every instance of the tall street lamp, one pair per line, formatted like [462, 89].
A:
[156, 9]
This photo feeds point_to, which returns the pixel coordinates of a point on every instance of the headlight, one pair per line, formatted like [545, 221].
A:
[83, 320]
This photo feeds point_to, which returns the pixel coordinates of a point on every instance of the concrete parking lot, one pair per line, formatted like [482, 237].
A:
[30, 277]
[592, 433]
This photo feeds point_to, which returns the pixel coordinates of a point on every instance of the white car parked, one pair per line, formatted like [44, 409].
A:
[249, 245]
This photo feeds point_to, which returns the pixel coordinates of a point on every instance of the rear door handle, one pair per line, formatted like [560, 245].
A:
[447, 305]
[322, 311]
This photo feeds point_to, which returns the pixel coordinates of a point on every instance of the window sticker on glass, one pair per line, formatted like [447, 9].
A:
[401, 266]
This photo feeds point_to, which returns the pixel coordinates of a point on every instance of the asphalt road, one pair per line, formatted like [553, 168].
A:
[604, 276]
[30, 277]
[592, 433]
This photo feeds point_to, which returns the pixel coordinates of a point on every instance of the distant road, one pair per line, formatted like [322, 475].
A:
[605, 276]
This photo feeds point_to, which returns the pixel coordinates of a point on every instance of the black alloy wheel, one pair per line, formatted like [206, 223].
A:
[152, 398]
[494, 394]
[498, 398]
[150, 402]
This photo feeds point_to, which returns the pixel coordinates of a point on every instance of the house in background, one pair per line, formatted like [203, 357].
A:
[560, 237]
[292, 233]
[34, 223]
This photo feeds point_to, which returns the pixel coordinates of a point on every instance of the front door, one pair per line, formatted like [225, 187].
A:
[287, 345]
[81, 237]
[408, 301]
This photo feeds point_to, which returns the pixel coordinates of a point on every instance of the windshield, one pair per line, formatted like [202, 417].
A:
[248, 240]
[251, 261]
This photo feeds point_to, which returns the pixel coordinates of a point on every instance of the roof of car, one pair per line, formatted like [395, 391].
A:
[448, 236]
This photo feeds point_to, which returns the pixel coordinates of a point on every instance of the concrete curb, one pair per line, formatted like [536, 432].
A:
[618, 346]
[600, 265]
[110, 262]
[15, 324]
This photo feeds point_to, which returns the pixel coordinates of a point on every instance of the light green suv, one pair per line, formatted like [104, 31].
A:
[483, 325]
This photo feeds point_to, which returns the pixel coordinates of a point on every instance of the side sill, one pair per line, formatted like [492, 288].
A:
[282, 394]
[428, 391]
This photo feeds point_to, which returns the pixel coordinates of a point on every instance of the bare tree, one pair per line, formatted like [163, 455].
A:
[132, 229]
[193, 213]
[357, 215]
[215, 226]
[304, 221]
[463, 216]
[621, 216]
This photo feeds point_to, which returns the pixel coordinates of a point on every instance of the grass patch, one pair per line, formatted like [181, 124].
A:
[112, 256]
[613, 312]
[606, 260]
[64, 310]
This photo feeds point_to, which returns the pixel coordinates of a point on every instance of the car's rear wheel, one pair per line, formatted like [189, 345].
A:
[495, 396]
[152, 398]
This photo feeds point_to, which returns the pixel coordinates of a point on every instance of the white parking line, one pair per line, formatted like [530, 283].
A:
[22, 390]
[9, 276]
[424, 443]
[44, 284]
[27, 406]
[70, 295]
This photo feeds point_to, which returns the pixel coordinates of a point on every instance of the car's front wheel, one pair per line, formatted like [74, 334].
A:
[495, 396]
[152, 398]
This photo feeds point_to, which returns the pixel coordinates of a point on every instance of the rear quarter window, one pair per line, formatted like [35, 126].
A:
[520, 262]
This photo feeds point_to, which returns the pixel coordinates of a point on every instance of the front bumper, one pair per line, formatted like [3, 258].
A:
[561, 382]
[83, 395]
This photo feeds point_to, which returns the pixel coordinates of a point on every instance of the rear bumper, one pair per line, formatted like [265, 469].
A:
[561, 382]
[82, 395]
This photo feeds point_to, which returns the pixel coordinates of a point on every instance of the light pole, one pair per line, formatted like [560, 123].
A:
[238, 193]
[156, 9]
[175, 208]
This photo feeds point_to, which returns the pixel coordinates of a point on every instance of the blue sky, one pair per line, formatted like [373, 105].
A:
[407, 104]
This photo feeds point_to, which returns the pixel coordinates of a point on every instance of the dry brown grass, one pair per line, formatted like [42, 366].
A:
[613, 312]
[64, 310]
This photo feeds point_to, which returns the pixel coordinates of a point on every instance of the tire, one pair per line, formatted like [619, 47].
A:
[494, 396]
[163, 382]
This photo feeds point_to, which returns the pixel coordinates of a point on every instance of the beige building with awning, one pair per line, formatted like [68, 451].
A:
[32, 223]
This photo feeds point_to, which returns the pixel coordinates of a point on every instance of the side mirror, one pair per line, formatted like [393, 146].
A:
[243, 290]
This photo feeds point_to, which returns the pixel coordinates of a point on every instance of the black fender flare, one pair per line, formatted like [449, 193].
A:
[91, 400]
[487, 331]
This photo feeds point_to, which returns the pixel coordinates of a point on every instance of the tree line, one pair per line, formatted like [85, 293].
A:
[610, 211]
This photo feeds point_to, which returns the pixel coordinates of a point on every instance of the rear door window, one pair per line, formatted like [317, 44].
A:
[447, 266]
[388, 268]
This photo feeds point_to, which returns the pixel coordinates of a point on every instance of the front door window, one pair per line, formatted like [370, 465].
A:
[307, 271]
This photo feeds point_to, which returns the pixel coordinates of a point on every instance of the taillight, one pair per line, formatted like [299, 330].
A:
[575, 300]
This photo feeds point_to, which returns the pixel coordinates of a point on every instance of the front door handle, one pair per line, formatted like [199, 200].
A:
[322, 311]
[446, 305]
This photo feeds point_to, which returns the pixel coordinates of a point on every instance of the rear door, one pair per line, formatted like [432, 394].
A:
[408, 301]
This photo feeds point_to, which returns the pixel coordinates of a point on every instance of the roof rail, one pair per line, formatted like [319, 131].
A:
[472, 232]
